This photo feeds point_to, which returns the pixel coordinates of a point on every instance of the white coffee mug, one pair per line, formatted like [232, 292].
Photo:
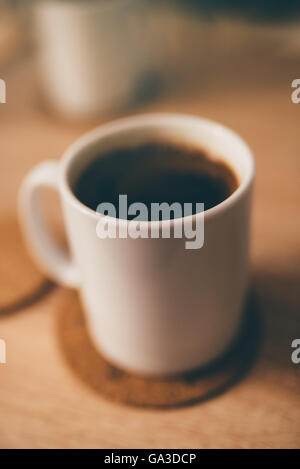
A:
[92, 55]
[151, 305]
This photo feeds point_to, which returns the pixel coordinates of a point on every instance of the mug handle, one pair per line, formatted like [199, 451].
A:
[49, 256]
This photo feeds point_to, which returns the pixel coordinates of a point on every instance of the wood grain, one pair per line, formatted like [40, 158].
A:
[43, 405]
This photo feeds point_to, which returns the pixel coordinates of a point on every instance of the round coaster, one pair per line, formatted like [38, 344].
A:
[134, 389]
[20, 281]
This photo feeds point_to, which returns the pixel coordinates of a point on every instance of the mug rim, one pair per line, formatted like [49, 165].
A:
[141, 121]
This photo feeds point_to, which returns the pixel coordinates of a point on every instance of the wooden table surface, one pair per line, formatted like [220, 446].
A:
[42, 404]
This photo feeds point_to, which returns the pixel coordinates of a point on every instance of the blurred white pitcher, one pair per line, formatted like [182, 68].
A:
[151, 305]
[92, 54]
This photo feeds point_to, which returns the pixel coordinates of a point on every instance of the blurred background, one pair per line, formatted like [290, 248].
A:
[98, 57]
[69, 65]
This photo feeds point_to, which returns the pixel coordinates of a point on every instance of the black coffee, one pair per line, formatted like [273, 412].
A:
[156, 172]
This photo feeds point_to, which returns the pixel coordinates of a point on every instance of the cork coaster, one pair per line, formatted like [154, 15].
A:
[20, 281]
[124, 387]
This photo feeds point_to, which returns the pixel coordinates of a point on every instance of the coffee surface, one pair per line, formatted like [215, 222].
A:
[156, 172]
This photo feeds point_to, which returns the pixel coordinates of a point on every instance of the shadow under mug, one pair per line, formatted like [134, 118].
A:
[151, 305]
